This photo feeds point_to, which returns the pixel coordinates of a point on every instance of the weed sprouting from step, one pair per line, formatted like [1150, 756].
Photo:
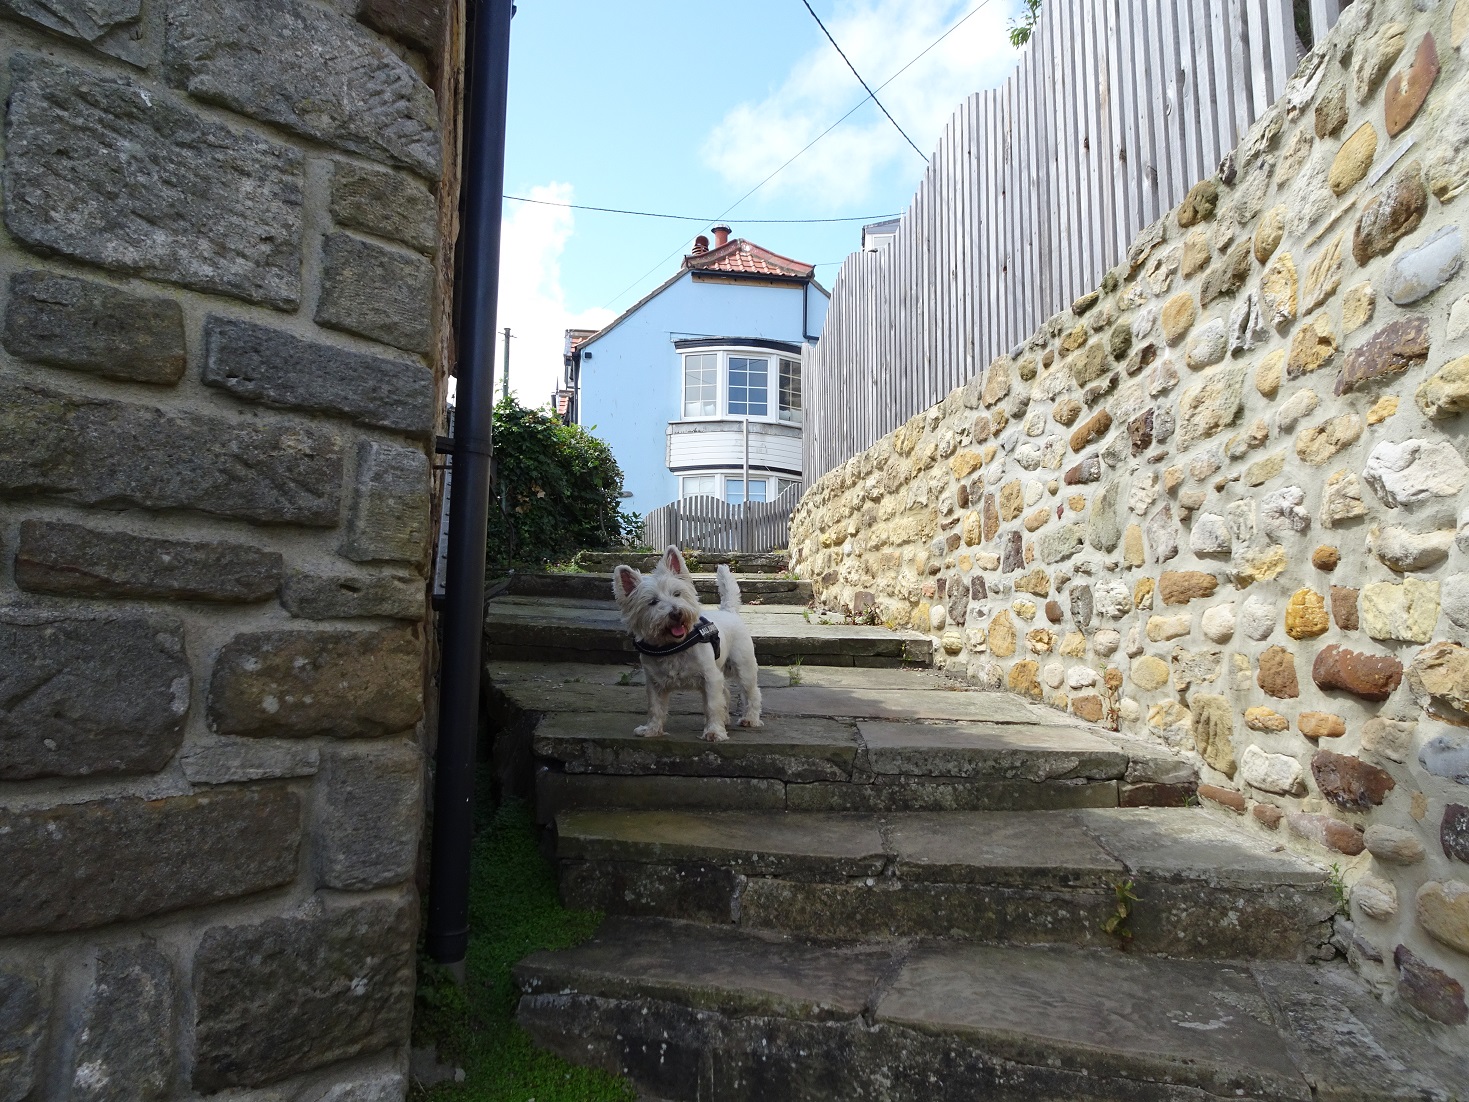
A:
[626, 678]
[1118, 923]
[806, 615]
[1339, 891]
[795, 672]
[513, 911]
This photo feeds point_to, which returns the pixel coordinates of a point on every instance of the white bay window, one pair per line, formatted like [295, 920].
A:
[733, 384]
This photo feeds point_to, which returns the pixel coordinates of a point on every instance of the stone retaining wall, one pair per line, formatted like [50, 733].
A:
[218, 390]
[1224, 499]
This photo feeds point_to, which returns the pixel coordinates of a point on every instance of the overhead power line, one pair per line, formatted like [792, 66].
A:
[864, 83]
[700, 218]
[855, 107]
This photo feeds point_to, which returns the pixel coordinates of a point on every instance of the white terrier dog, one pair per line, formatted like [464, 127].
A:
[683, 646]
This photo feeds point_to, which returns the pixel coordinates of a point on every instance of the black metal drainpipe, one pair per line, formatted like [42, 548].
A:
[488, 66]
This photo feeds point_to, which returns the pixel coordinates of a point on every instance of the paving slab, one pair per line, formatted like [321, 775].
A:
[995, 751]
[901, 704]
[713, 970]
[1023, 876]
[899, 793]
[755, 589]
[693, 1013]
[793, 749]
[1350, 1046]
[570, 629]
[558, 792]
[1189, 845]
[1033, 850]
[1203, 1025]
[758, 843]
[839, 677]
[741, 562]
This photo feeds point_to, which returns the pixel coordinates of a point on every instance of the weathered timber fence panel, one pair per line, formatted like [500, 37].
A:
[1035, 189]
[709, 524]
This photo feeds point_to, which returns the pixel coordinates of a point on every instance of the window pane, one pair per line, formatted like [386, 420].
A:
[700, 385]
[748, 383]
[734, 490]
[790, 391]
[698, 485]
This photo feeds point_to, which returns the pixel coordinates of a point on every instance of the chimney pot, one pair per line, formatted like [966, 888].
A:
[721, 236]
[701, 245]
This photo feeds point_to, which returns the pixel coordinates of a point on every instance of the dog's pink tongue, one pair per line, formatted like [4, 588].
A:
[678, 631]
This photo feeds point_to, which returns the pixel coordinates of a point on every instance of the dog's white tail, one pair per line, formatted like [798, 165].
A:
[729, 589]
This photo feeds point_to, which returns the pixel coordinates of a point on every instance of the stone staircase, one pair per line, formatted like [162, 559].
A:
[570, 617]
[902, 889]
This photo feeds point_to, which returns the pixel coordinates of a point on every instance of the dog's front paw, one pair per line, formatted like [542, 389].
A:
[715, 734]
[649, 730]
[751, 721]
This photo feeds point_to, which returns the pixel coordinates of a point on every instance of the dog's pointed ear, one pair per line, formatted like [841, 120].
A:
[624, 580]
[673, 559]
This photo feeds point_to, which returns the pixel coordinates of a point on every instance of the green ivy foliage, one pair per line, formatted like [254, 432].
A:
[558, 490]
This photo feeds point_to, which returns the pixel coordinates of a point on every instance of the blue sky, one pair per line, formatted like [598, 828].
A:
[682, 106]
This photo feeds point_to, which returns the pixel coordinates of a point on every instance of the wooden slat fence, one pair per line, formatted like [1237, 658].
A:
[1035, 190]
[709, 524]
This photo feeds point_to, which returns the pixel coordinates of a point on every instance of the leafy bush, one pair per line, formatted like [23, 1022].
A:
[558, 491]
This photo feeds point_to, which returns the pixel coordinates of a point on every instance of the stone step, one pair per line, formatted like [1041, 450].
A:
[755, 589]
[693, 1013]
[840, 740]
[770, 562]
[1205, 888]
[559, 629]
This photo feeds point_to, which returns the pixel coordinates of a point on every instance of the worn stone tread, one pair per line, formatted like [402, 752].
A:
[845, 701]
[741, 562]
[1088, 845]
[836, 844]
[755, 589]
[992, 750]
[795, 749]
[713, 969]
[1205, 889]
[979, 1021]
[771, 677]
[574, 629]
[922, 750]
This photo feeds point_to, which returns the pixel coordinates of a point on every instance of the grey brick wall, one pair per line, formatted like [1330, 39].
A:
[221, 276]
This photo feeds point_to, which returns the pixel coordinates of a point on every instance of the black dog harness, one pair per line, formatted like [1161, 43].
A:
[704, 632]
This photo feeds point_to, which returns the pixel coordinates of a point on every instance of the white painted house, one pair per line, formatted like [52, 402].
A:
[697, 387]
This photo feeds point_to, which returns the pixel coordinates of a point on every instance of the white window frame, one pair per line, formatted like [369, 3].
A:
[774, 485]
[772, 360]
[683, 382]
[764, 478]
[685, 479]
[781, 411]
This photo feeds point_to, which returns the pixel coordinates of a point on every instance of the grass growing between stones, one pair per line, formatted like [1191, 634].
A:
[513, 911]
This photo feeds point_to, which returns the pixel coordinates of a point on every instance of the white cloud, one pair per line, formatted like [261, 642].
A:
[880, 36]
[532, 301]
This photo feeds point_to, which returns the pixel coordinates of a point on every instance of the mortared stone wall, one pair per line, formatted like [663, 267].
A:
[221, 276]
[1223, 500]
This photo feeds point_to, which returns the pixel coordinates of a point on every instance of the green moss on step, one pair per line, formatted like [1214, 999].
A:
[513, 911]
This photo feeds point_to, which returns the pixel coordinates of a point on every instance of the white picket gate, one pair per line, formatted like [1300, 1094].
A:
[708, 524]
